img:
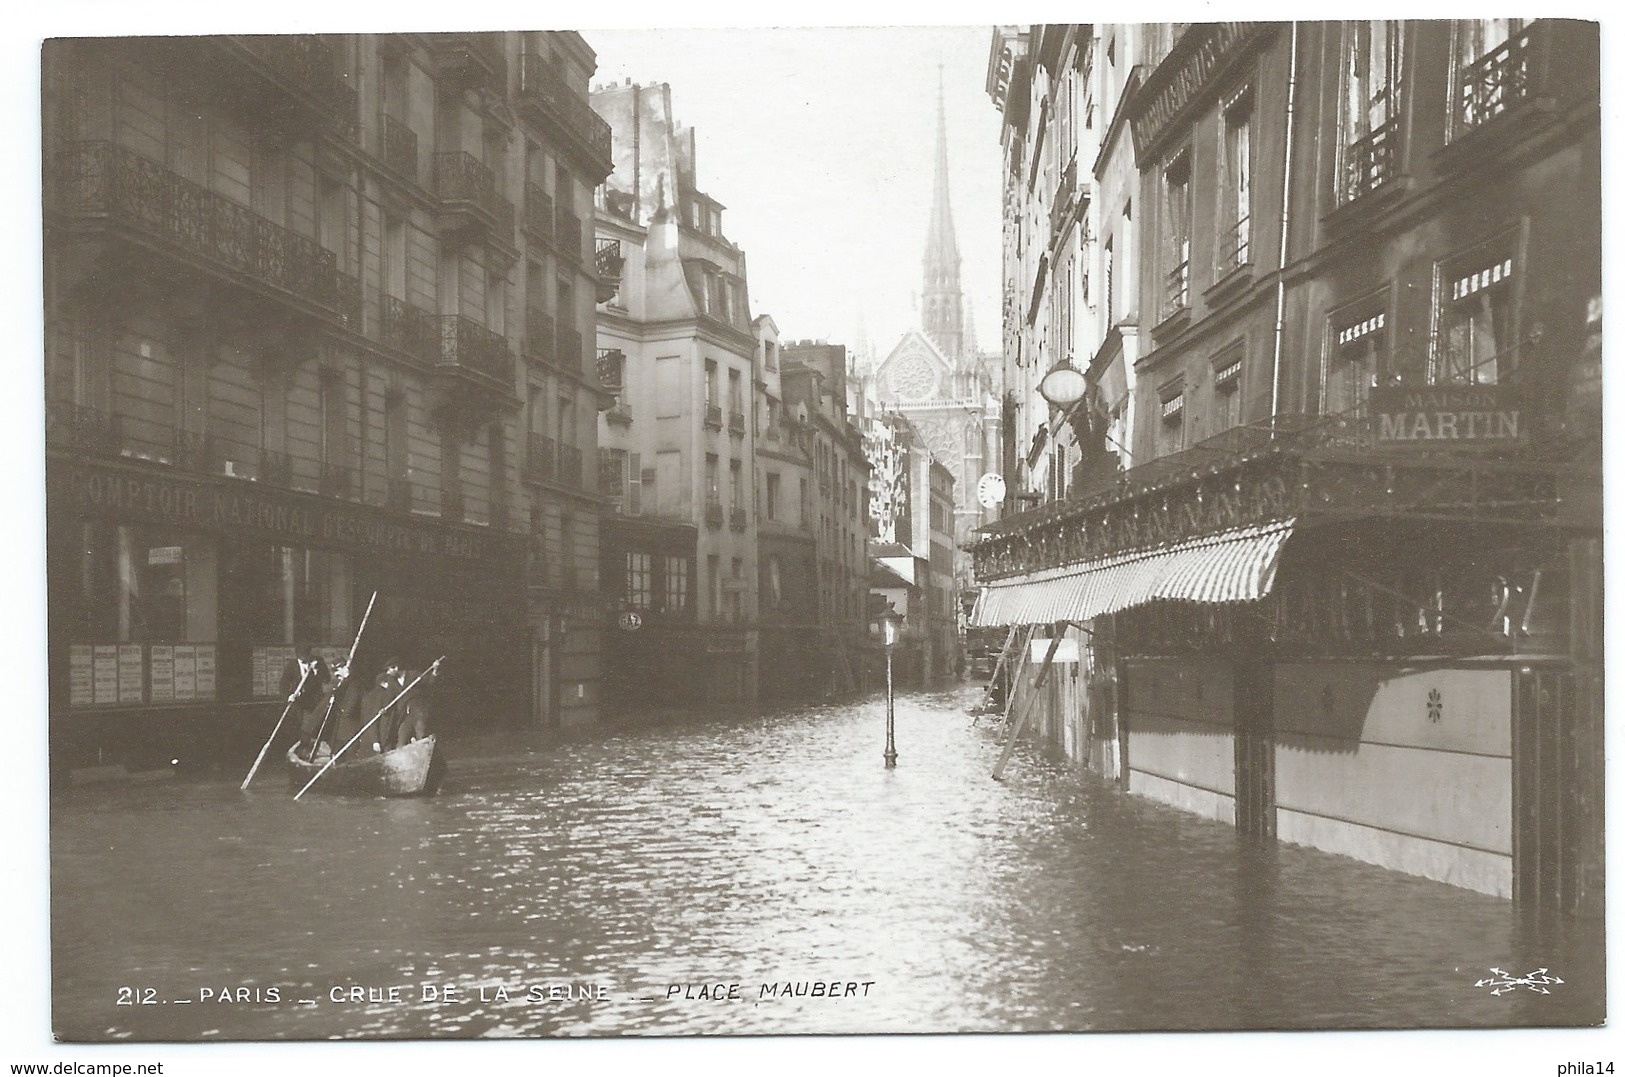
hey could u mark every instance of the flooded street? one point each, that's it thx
(704, 876)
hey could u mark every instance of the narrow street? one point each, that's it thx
(701, 875)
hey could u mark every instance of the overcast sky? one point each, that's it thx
(821, 143)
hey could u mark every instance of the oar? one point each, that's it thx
(304, 673)
(328, 713)
(348, 744)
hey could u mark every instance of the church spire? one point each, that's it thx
(941, 299)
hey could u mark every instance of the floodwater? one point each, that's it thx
(703, 875)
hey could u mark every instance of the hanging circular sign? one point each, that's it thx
(990, 490)
(1063, 385)
(631, 622)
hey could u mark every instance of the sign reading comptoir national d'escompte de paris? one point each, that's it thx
(1478, 413)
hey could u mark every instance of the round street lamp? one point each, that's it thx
(891, 627)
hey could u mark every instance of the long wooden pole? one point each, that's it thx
(998, 667)
(434, 666)
(355, 643)
(304, 674)
(1032, 700)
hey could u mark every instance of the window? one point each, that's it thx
(713, 572)
(676, 584)
(1171, 429)
(1492, 70)
(1370, 107)
(394, 267)
(1227, 390)
(1473, 344)
(1236, 187)
(1356, 362)
(1177, 234)
(736, 485)
(639, 580)
(142, 585)
(713, 477)
(711, 383)
(771, 506)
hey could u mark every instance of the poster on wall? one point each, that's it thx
(185, 672)
(106, 675)
(131, 673)
(257, 665)
(161, 673)
(204, 676)
(81, 675)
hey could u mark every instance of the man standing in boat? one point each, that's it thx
(344, 719)
(305, 680)
(406, 719)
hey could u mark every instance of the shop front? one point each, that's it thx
(1371, 657)
(177, 602)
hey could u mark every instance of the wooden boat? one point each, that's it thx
(409, 771)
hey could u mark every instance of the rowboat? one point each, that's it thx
(409, 771)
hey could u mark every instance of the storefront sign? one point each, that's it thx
(1466, 413)
(296, 519)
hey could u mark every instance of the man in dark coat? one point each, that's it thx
(344, 720)
(407, 718)
(305, 682)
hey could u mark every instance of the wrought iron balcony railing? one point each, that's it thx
(409, 329)
(472, 61)
(401, 148)
(538, 213)
(611, 478)
(541, 459)
(463, 183)
(539, 336)
(570, 355)
(570, 466)
(714, 515)
(567, 234)
(611, 369)
(1368, 163)
(609, 263)
(542, 88)
(713, 416)
(467, 345)
(1495, 82)
(98, 181)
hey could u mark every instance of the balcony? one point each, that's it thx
(570, 464)
(609, 262)
(100, 187)
(1368, 163)
(736, 519)
(548, 97)
(736, 422)
(469, 350)
(611, 370)
(1176, 296)
(401, 148)
(1235, 245)
(408, 329)
(538, 213)
(471, 62)
(539, 337)
(713, 416)
(289, 81)
(567, 234)
(74, 426)
(540, 462)
(713, 513)
(470, 204)
(569, 350)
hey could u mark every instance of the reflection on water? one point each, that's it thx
(625, 882)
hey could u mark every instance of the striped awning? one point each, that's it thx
(1233, 566)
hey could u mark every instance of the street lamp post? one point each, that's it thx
(891, 624)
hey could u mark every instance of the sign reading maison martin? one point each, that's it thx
(1481, 414)
(246, 509)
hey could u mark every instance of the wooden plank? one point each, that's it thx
(1026, 712)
